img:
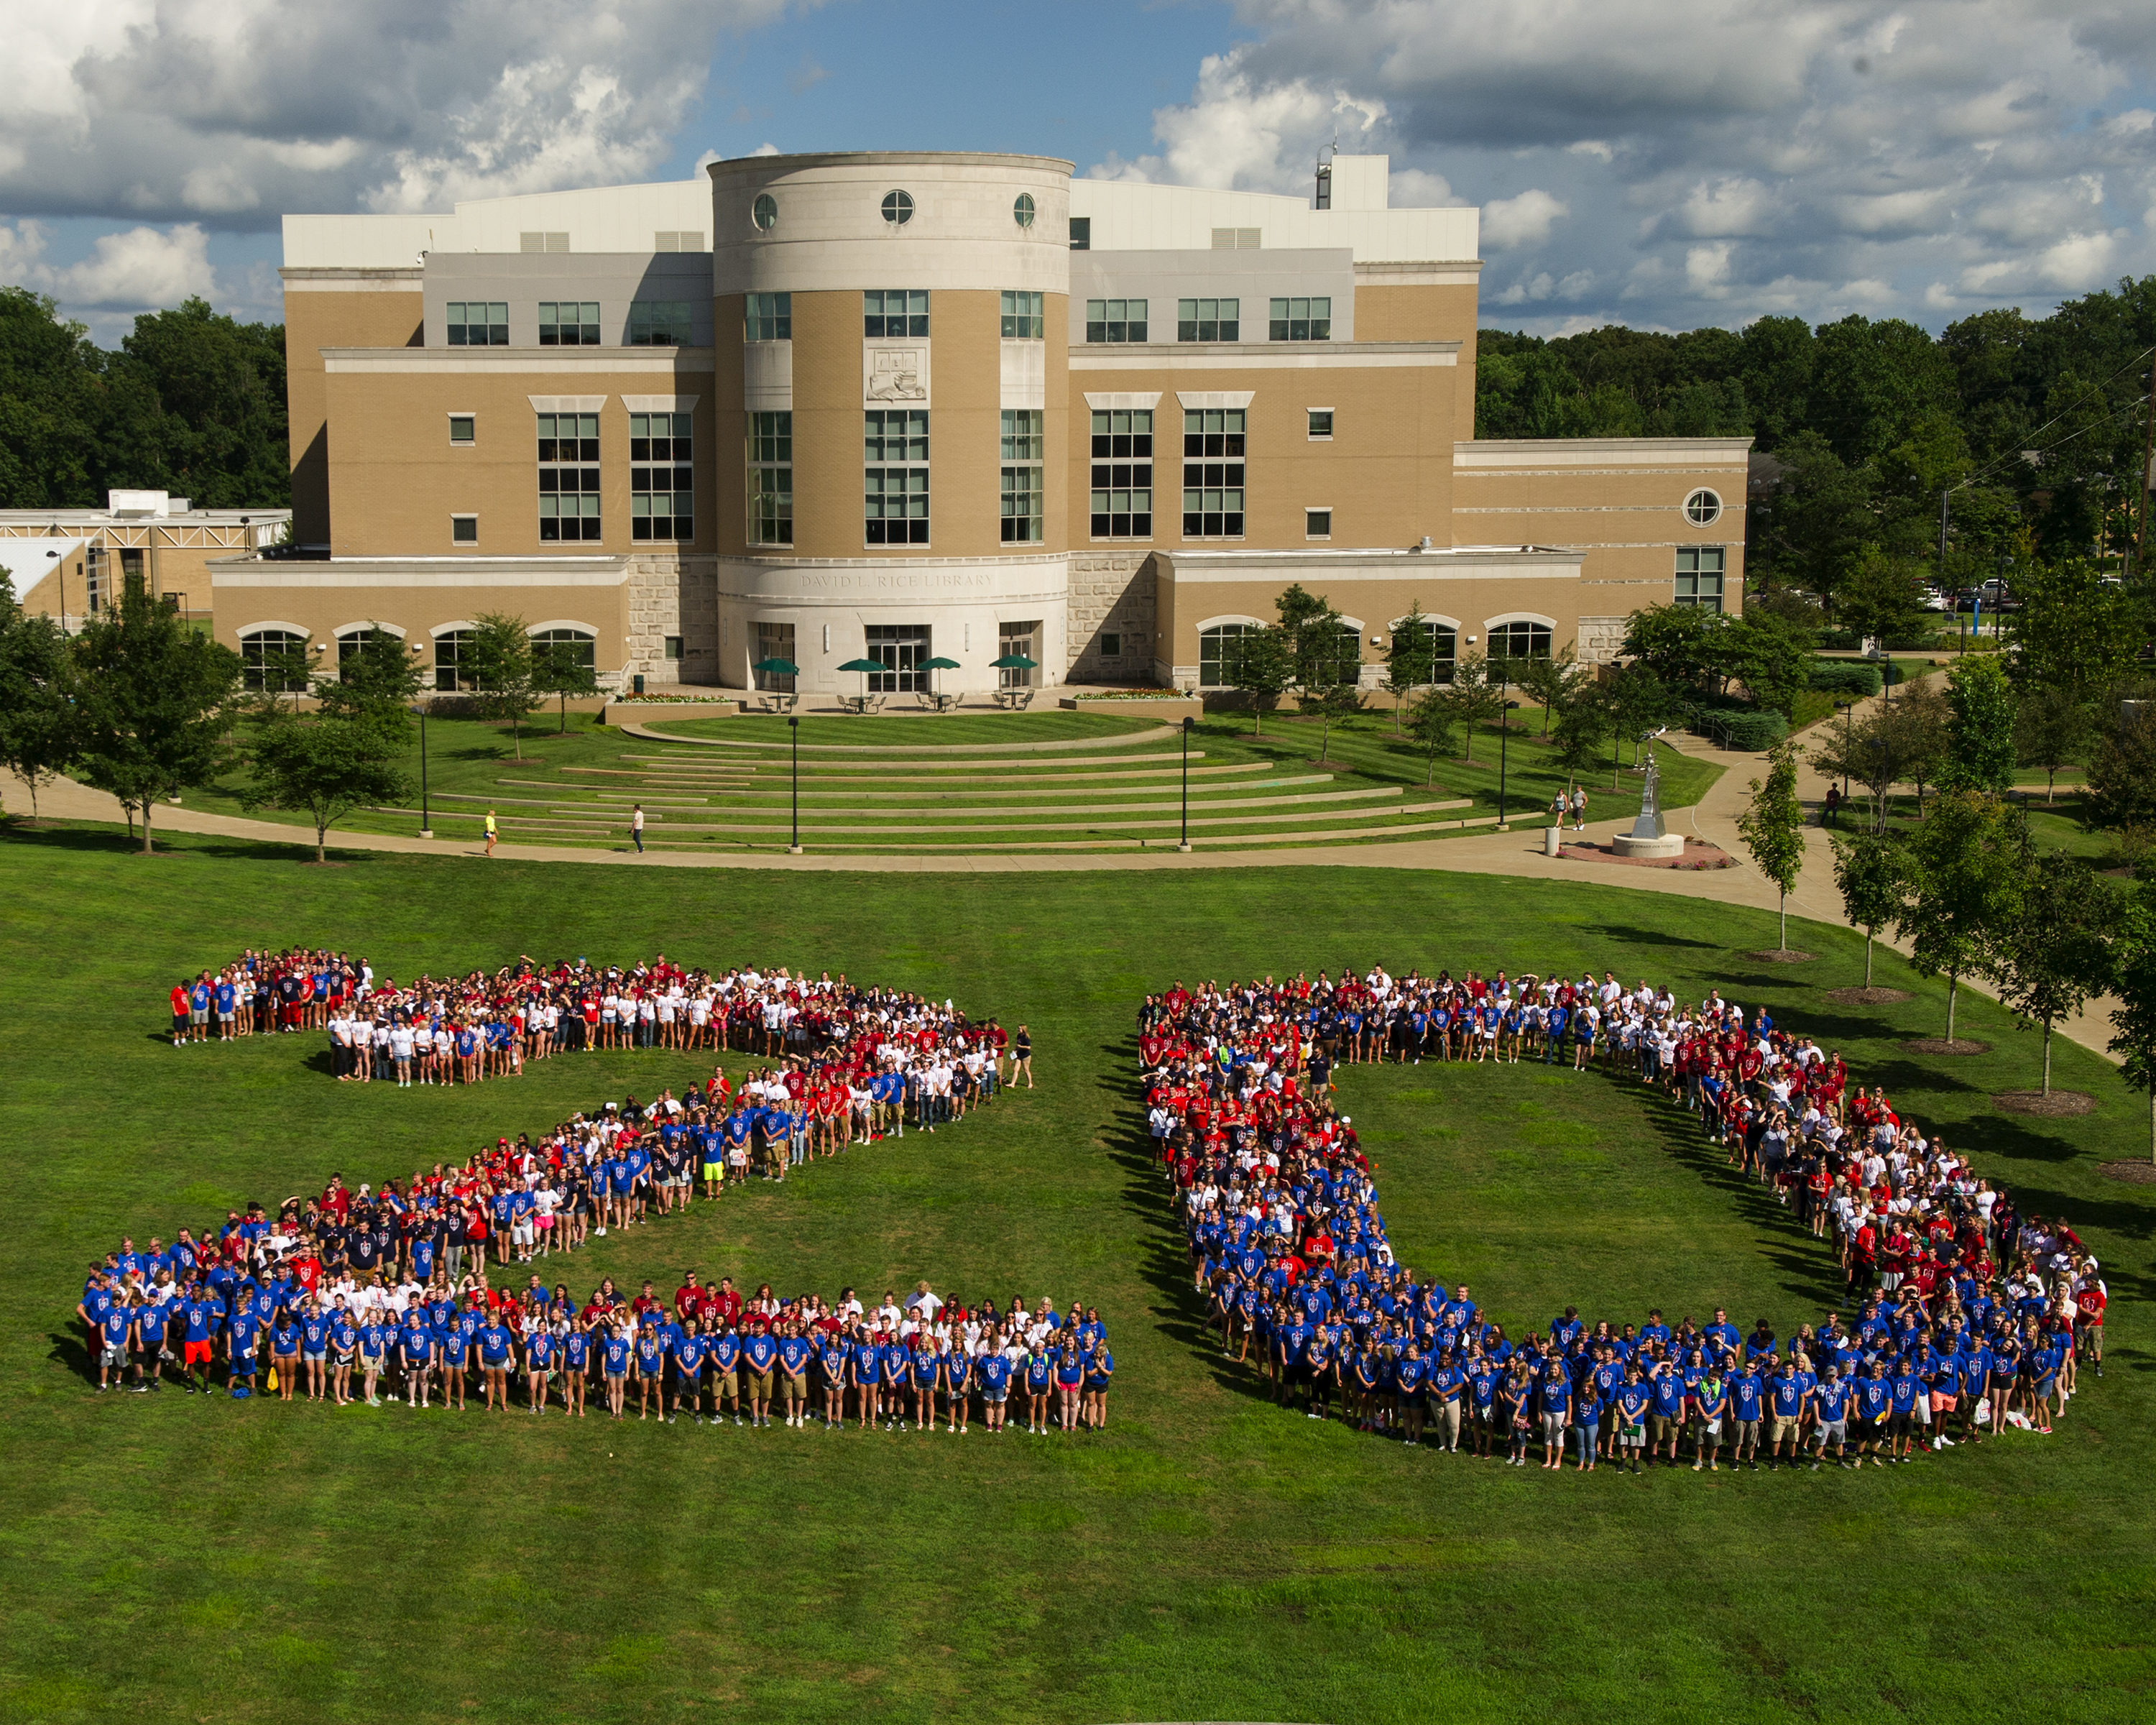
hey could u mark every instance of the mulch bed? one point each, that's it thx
(2134, 1174)
(1868, 997)
(1781, 955)
(2060, 1102)
(1940, 1045)
(1698, 854)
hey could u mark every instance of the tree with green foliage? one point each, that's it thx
(2134, 981)
(497, 656)
(38, 719)
(1771, 654)
(1965, 882)
(1868, 869)
(1431, 720)
(1808, 529)
(1474, 695)
(1680, 644)
(2052, 729)
(1551, 678)
(1980, 754)
(1583, 721)
(1864, 751)
(1919, 724)
(149, 696)
(558, 670)
(342, 757)
(2122, 774)
(1882, 595)
(2072, 631)
(1325, 651)
(1410, 659)
(2056, 953)
(1260, 665)
(1330, 704)
(1773, 827)
(1639, 702)
(382, 673)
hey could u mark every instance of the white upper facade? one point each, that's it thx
(678, 215)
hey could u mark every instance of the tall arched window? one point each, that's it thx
(448, 652)
(580, 644)
(273, 661)
(1216, 650)
(1520, 640)
(1443, 647)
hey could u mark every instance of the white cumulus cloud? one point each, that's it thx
(138, 269)
(1511, 223)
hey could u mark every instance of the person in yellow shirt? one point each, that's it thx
(490, 833)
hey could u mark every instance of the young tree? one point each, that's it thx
(1261, 664)
(1325, 651)
(1866, 752)
(150, 695)
(1474, 695)
(1881, 595)
(1980, 731)
(1773, 827)
(1639, 701)
(344, 756)
(2054, 954)
(1771, 652)
(383, 673)
(1410, 659)
(558, 669)
(2122, 774)
(1581, 723)
(1551, 679)
(498, 655)
(1869, 871)
(38, 721)
(1681, 643)
(2051, 729)
(1919, 722)
(1966, 878)
(2071, 632)
(2134, 981)
(1330, 704)
(1430, 722)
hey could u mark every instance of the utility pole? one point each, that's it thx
(2148, 462)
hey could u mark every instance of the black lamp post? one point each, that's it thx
(426, 824)
(1190, 725)
(1848, 741)
(1504, 736)
(793, 727)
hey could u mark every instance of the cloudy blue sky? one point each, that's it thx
(1657, 162)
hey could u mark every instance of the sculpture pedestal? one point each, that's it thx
(1624, 844)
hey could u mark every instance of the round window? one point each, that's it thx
(1021, 210)
(898, 207)
(1702, 508)
(764, 212)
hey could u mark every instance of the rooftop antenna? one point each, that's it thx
(1324, 200)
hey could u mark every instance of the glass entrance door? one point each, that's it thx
(1015, 640)
(901, 649)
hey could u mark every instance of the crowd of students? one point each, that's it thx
(465, 1029)
(1964, 1314)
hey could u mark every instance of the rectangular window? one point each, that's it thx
(771, 478)
(477, 323)
(1213, 474)
(896, 448)
(1022, 317)
(542, 242)
(1021, 448)
(771, 317)
(1115, 320)
(1081, 234)
(673, 650)
(1321, 425)
(1111, 646)
(1237, 239)
(685, 239)
(774, 641)
(568, 477)
(568, 323)
(447, 651)
(463, 429)
(464, 529)
(1700, 570)
(1318, 524)
(1209, 320)
(1301, 320)
(1121, 505)
(894, 312)
(661, 323)
(662, 495)
(1017, 641)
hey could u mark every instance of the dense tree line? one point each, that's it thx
(1868, 422)
(192, 403)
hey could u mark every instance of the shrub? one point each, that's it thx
(1844, 677)
(1749, 733)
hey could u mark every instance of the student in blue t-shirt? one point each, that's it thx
(1554, 1403)
(793, 1353)
(1040, 1374)
(496, 1346)
(689, 1354)
(1832, 1400)
(1630, 1402)
(614, 1352)
(994, 1370)
(1875, 1402)
(415, 1348)
(542, 1347)
(1748, 1397)
(759, 1354)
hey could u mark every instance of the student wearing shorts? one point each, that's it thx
(615, 1350)
(1629, 1406)
(794, 1356)
(1832, 1400)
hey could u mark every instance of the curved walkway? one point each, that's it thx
(1518, 852)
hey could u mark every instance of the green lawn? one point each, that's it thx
(961, 782)
(1208, 1558)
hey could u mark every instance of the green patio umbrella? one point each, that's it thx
(1013, 661)
(939, 663)
(865, 666)
(775, 666)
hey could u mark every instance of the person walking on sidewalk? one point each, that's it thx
(636, 827)
(490, 834)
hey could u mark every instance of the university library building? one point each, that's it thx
(904, 406)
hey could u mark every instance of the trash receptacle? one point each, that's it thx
(1553, 840)
(636, 684)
